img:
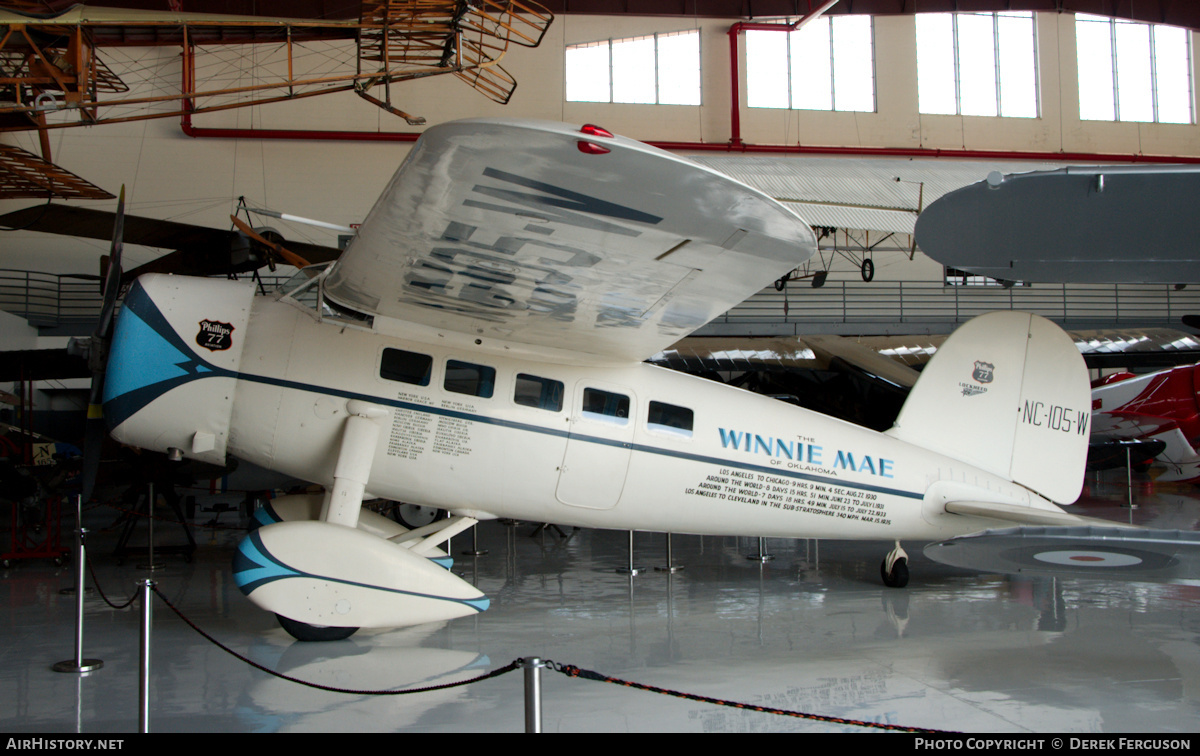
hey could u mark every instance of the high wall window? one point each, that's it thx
(978, 64)
(662, 69)
(828, 64)
(1130, 71)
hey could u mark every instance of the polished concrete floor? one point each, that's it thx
(811, 631)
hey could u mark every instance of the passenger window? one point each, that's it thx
(543, 393)
(465, 378)
(406, 367)
(605, 405)
(670, 419)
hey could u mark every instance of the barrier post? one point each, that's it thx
(762, 555)
(79, 664)
(630, 570)
(144, 684)
(533, 694)
(671, 566)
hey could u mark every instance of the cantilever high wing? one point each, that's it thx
(553, 237)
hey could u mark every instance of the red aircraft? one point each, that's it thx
(1156, 407)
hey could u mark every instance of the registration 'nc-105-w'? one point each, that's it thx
(1055, 417)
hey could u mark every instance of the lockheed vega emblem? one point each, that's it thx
(983, 371)
(215, 335)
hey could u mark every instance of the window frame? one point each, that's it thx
(1154, 62)
(790, 54)
(490, 383)
(428, 378)
(605, 417)
(674, 431)
(997, 65)
(545, 383)
(658, 68)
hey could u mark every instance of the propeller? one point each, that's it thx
(94, 430)
(291, 258)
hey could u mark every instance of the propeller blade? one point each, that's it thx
(112, 275)
(94, 430)
(291, 258)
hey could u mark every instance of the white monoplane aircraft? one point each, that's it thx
(479, 347)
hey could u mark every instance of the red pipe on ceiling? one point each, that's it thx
(921, 152)
(735, 77)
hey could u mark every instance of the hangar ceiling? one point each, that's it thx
(1174, 12)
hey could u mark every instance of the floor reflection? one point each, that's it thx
(813, 630)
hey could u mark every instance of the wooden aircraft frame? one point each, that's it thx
(51, 66)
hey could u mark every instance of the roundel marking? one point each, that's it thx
(1074, 557)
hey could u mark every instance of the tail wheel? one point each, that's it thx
(302, 631)
(897, 577)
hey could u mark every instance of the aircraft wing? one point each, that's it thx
(198, 250)
(1100, 552)
(1086, 224)
(554, 237)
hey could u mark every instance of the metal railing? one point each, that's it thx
(48, 300)
(932, 304)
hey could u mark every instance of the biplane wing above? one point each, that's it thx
(554, 237)
(198, 250)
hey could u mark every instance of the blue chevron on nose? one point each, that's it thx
(147, 359)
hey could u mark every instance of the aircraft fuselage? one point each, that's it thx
(496, 430)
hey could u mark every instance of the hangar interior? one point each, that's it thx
(810, 629)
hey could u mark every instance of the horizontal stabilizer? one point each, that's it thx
(1022, 514)
(1111, 552)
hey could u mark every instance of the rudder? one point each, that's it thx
(1008, 392)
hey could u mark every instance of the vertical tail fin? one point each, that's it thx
(1008, 392)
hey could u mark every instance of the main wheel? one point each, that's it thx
(898, 577)
(867, 269)
(302, 631)
(413, 516)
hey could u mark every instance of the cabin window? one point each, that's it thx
(543, 393)
(670, 419)
(465, 378)
(605, 405)
(406, 367)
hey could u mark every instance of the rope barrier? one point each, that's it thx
(494, 673)
(573, 671)
(567, 669)
(99, 590)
